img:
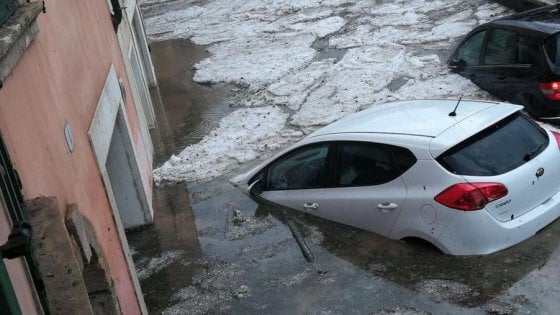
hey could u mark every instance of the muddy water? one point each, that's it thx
(464, 281)
(238, 256)
(186, 111)
(173, 232)
(324, 51)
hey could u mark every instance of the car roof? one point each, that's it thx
(427, 118)
(542, 21)
(537, 28)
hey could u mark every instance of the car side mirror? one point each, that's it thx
(457, 64)
(256, 188)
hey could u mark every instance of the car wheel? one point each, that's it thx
(421, 244)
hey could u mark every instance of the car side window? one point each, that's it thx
(302, 169)
(524, 52)
(470, 49)
(365, 164)
(405, 158)
(501, 48)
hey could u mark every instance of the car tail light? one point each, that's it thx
(551, 90)
(557, 136)
(471, 196)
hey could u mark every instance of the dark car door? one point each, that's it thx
(520, 79)
(506, 63)
(466, 60)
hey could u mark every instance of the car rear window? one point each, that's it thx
(498, 149)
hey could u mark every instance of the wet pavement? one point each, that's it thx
(213, 250)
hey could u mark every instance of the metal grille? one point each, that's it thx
(7, 8)
(10, 185)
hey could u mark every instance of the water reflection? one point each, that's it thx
(167, 254)
(185, 110)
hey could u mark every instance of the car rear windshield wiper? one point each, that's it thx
(529, 156)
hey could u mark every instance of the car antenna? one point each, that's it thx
(453, 113)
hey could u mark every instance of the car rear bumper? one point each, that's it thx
(478, 233)
(549, 108)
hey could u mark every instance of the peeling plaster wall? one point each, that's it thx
(59, 79)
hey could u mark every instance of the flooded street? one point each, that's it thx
(213, 250)
(186, 111)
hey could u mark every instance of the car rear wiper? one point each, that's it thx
(529, 156)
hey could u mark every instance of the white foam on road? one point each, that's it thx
(381, 52)
(243, 136)
(256, 61)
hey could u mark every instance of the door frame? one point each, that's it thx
(100, 134)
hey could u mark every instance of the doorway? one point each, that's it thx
(125, 178)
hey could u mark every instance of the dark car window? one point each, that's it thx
(501, 48)
(470, 49)
(524, 52)
(364, 164)
(551, 46)
(405, 158)
(302, 169)
(498, 149)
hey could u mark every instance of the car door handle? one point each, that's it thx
(502, 76)
(387, 207)
(310, 206)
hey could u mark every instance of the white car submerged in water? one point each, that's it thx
(470, 177)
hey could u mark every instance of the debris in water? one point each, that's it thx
(402, 311)
(238, 217)
(242, 292)
(439, 290)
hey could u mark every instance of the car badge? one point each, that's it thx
(539, 172)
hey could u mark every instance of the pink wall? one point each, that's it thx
(59, 79)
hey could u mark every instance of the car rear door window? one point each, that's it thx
(498, 149)
(365, 164)
(524, 52)
(302, 169)
(470, 49)
(405, 158)
(501, 47)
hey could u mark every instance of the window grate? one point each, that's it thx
(7, 8)
(11, 188)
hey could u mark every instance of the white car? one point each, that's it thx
(470, 177)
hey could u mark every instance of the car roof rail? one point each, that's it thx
(535, 11)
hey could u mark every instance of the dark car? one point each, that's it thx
(516, 58)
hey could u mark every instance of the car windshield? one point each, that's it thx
(498, 149)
